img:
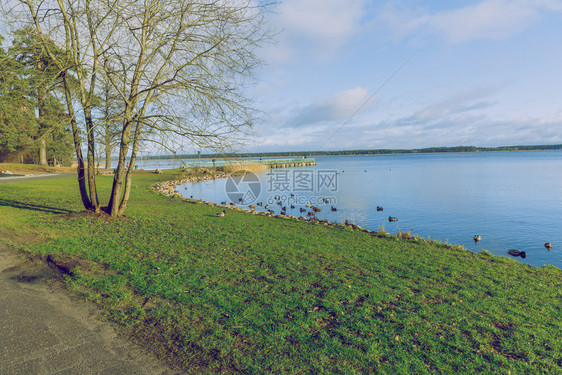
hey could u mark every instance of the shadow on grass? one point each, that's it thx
(34, 207)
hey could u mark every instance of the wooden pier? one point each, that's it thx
(288, 163)
(268, 163)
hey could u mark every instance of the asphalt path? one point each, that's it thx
(44, 330)
(7, 178)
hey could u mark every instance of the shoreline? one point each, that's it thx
(209, 158)
(298, 154)
(168, 189)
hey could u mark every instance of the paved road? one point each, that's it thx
(17, 178)
(44, 331)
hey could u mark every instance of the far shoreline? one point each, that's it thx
(301, 154)
(240, 157)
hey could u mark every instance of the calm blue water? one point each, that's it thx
(511, 199)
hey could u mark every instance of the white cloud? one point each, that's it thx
(321, 19)
(338, 108)
(475, 98)
(346, 102)
(314, 27)
(488, 19)
(494, 19)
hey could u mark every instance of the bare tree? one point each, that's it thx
(181, 69)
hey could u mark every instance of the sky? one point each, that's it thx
(362, 74)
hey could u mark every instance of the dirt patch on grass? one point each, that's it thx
(68, 264)
(91, 215)
(19, 238)
(33, 263)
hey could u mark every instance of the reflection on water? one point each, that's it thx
(512, 199)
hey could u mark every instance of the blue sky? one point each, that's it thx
(483, 73)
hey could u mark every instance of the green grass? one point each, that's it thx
(264, 295)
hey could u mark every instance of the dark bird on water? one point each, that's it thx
(391, 219)
(548, 246)
(379, 208)
(334, 208)
(516, 253)
(477, 238)
(292, 206)
(302, 210)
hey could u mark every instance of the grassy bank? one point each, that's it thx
(265, 295)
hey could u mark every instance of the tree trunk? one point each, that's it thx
(41, 113)
(127, 192)
(77, 147)
(43, 152)
(107, 147)
(91, 161)
(116, 191)
(129, 175)
(108, 158)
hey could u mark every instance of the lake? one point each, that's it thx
(512, 199)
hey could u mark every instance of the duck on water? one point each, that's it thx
(517, 253)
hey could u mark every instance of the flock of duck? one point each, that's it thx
(310, 209)
(514, 252)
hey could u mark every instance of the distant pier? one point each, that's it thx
(267, 163)
(288, 163)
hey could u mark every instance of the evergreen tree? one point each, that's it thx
(17, 117)
(51, 137)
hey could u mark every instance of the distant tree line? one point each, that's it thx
(297, 154)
